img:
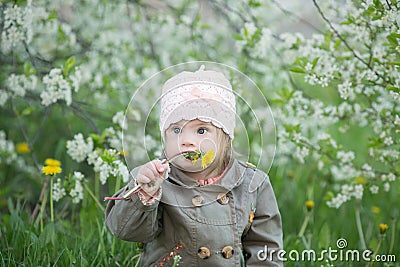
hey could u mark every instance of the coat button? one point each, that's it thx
(197, 200)
(204, 253)
(227, 252)
(222, 199)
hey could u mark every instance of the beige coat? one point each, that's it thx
(225, 224)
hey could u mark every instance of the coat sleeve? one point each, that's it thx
(130, 219)
(264, 237)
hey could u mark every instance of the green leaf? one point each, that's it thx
(328, 196)
(392, 38)
(97, 139)
(324, 236)
(254, 3)
(378, 5)
(337, 43)
(297, 69)
(27, 111)
(392, 88)
(69, 64)
(397, 63)
(315, 61)
(238, 37)
(27, 68)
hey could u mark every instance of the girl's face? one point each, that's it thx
(191, 135)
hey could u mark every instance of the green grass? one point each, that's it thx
(80, 237)
(79, 241)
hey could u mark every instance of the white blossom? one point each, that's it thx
(337, 201)
(58, 190)
(119, 119)
(358, 191)
(386, 187)
(3, 97)
(345, 90)
(78, 149)
(345, 157)
(301, 153)
(17, 27)
(77, 192)
(76, 79)
(7, 149)
(57, 88)
(92, 157)
(374, 189)
(114, 138)
(391, 177)
(123, 171)
(388, 141)
(104, 172)
(79, 176)
(344, 172)
(19, 84)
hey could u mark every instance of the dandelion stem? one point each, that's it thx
(41, 196)
(93, 197)
(51, 200)
(359, 227)
(378, 247)
(304, 225)
(392, 236)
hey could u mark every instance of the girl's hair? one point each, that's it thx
(225, 151)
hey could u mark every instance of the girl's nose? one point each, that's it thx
(186, 140)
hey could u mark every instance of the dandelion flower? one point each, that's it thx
(376, 210)
(51, 170)
(23, 148)
(194, 156)
(52, 162)
(383, 227)
(309, 205)
(207, 158)
(360, 180)
(52, 167)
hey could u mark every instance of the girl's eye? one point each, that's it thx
(201, 131)
(176, 130)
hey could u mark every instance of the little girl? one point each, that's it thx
(198, 203)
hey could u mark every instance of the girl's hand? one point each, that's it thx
(151, 176)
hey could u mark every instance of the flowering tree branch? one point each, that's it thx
(345, 42)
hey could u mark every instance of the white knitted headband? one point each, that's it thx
(204, 95)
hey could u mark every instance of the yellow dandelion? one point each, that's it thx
(52, 162)
(383, 227)
(360, 180)
(51, 170)
(122, 152)
(375, 210)
(309, 205)
(207, 158)
(22, 148)
(195, 158)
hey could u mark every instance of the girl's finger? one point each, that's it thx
(159, 166)
(143, 179)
